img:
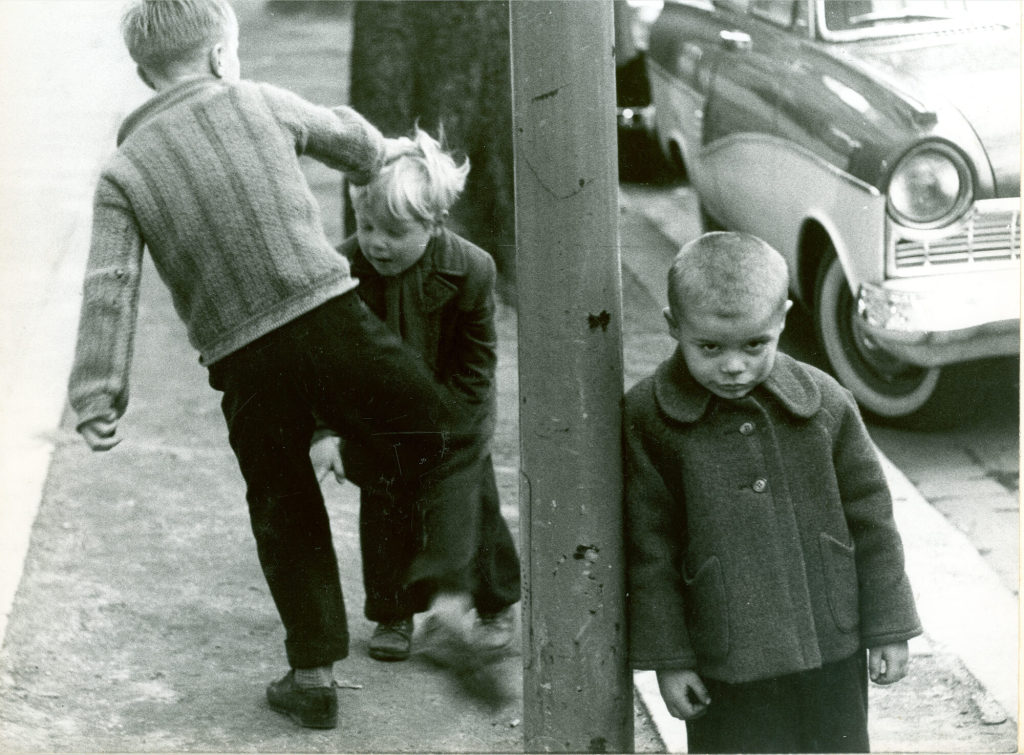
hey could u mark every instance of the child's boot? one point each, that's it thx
(392, 640)
(446, 629)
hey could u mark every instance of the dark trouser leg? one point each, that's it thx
(835, 707)
(270, 431)
(342, 364)
(355, 365)
(496, 565)
(751, 717)
(823, 710)
(389, 538)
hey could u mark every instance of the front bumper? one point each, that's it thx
(942, 319)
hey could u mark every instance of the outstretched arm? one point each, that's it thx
(98, 387)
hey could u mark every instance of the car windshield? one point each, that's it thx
(899, 17)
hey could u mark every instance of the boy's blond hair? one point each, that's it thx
(420, 183)
(727, 273)
(162, 33)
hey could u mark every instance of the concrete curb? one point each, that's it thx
(963, 604)
(59, 127)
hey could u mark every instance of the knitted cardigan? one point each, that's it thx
(207, 177)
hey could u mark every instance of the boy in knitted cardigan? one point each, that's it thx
(206, 177)
(763, 556)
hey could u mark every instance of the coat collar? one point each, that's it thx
(429, 278)
(165, 100)
(684, 399)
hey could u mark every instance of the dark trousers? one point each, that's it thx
(823, 710)
(392, 532)
(341, 364)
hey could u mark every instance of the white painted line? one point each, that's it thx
(963, 604)
(671, 730)
(61, 115)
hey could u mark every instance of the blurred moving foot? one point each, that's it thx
(312, 707)
(494, 634)
(445, 639)
(392, 640)
(474, 652)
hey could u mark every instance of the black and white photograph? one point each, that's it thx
(496, 376)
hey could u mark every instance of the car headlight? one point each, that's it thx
(930, 186)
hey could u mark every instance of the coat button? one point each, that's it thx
(760, 485)
(746, 428)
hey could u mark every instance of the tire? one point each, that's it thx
(888, 390)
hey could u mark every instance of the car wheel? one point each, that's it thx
(886, 388)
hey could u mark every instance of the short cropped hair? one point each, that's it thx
(421, 183)
(727, 273)
(160, 33)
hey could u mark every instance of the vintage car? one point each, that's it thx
(876, 144)
(634, 112)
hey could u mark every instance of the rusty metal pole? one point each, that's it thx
(577, 687)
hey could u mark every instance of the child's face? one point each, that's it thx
(728, 353)
(392, 245)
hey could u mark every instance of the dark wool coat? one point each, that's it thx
(448, 319)
(761, 538)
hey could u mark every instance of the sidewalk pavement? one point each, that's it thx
(141, 621)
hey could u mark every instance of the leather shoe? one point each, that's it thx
(312, 707)
(391, 640)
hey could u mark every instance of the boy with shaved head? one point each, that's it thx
(766, 577)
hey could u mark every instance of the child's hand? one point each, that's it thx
(684, 693)
(395, 147)
(100, 433)
(888, 663)
(326, 457)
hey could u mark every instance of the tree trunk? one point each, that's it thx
(445, 65)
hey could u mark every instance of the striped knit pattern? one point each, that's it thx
(207, 178)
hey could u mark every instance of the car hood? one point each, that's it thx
(977, 73)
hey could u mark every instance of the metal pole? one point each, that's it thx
(577, 687)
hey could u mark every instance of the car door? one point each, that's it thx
(684, 43)
(739, 119)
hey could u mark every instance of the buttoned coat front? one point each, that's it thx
(761, 538)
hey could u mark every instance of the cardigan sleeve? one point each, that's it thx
(658, 638)
(887, 610)
(338, 137)
(98, 386)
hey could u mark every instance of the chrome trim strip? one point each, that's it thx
(790, 146)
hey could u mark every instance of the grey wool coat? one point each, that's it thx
(760, 534)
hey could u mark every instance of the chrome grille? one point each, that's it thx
(989, 237)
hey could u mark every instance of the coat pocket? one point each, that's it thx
(840, 568)
(707, 611)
